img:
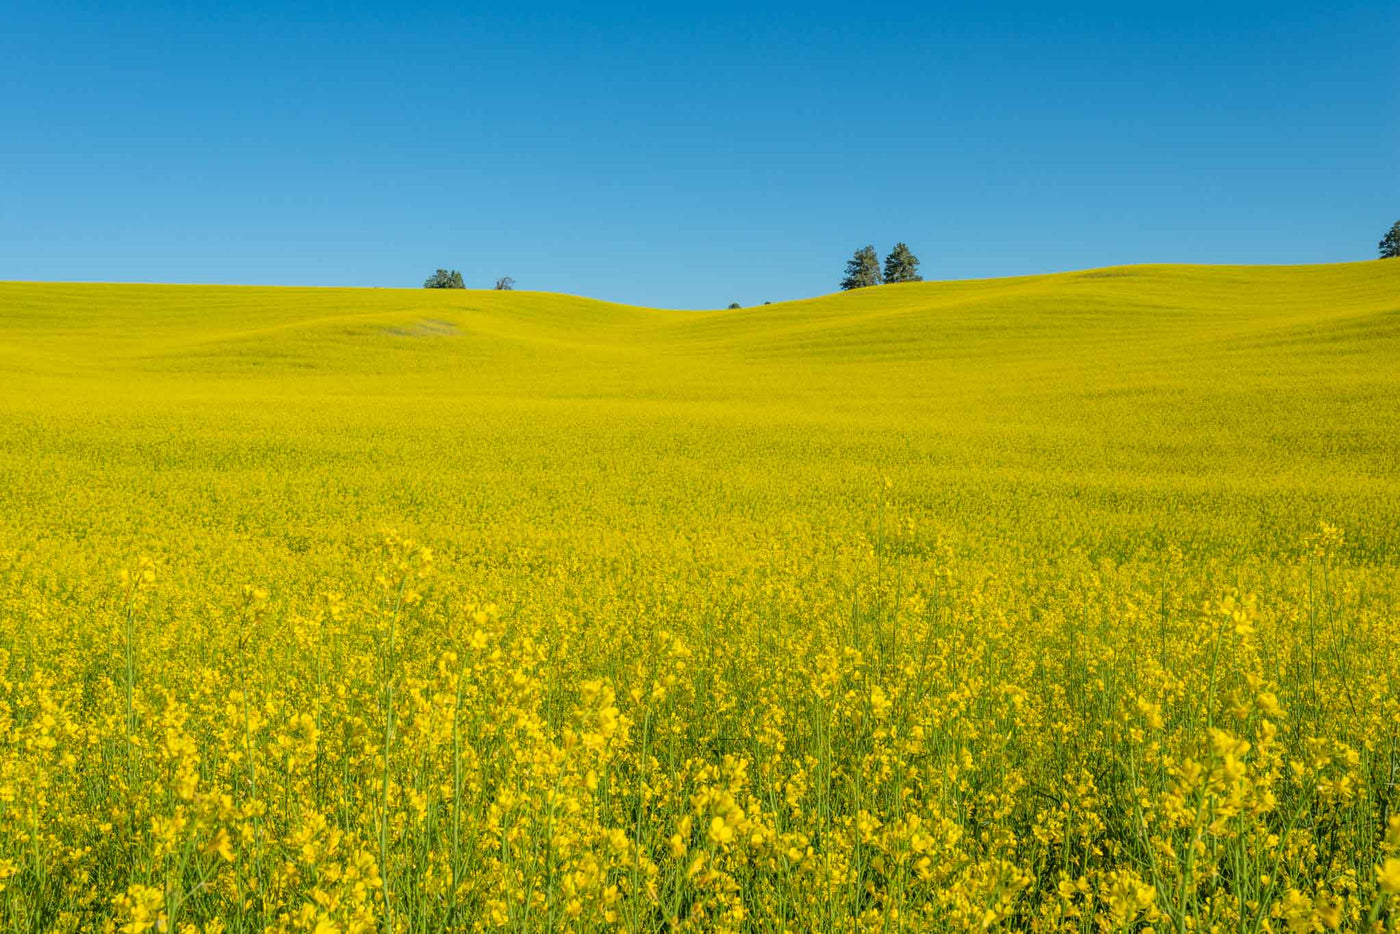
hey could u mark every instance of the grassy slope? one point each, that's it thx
(1114, 408)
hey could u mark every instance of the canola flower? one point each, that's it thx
(397, 759)
(831, 678)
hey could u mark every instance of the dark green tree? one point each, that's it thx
(1390, 243)
(442, 279)
(862, 269)
(505, 284)
(733, 305)
(902, 266)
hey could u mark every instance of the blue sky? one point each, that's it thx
(687, 158)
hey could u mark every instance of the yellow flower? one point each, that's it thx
(141, 907)
(222, 845)
(1388, 876)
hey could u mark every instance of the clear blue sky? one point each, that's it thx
(687, 158)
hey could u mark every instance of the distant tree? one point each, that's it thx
(733, 305)
(505, 284)
(862, 269)
(442, 279)
(902, 266)
(1390, 243)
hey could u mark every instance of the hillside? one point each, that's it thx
(1109, 391)
(1139, 308)
(967, 606)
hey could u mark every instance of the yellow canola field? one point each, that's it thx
(1056, 603)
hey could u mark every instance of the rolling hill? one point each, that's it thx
(1042, 603)
(1113, 391)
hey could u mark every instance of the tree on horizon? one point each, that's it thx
(505, 284)
(862, 270)
(1390, 244)
(442, 279)
(902, 265)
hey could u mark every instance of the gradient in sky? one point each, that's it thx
(686, 157)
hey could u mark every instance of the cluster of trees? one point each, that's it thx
(442, 279)
(445, 279)
(863, 269)
(1390, 243)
